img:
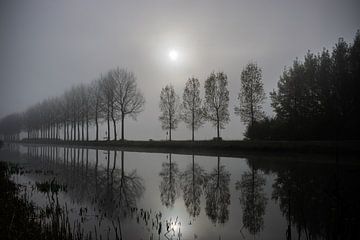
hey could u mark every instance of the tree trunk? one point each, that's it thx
(170, 128)
(97, 128)
(218, 172)
(114, 122)
(122, 126)
(82, 129)
(115, 134)
(87, 127)
(218, 123)
(252, 113)
(73, 131)
(67, 132)
(64, 137)
(193, 125)
(78, 127)
(108, 125)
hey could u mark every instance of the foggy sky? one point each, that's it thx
(48, 46)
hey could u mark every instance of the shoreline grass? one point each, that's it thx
(227, 147)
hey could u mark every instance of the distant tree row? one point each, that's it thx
(115, 96)
(215, 107)
(110, 98)
(10, 127)
(317, 98)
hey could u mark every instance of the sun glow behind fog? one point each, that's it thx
(173, 55)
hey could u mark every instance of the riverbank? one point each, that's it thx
(21, 219)
(216, 147)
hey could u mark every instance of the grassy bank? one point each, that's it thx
(20, 219)
(218, 147)
(17, 216)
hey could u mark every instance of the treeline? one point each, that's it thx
(112, 97)
(317, 98)
(115, 96)
(214, 108)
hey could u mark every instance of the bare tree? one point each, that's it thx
(83, 102)
(11, 126)
(31, 121)
(251, 94)
(128, 99)
(112, 98)
(108, 86)
(78, 110)
(169, 106)
(64, 115)
(95, 104)
(85, 95)
(217, 100)
(74, 105)
(70, 114)
(192, 112)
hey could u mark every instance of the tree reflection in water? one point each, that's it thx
(120, 189)
(169, 186)
(131, 186)
(217, 194)
(252, 200)
(321, 203)
(318, 201)
(113, 190)
(192, 180)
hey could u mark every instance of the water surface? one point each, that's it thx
(168, 196)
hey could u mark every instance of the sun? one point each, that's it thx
(173, 55)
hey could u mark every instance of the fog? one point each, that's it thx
(48, 46)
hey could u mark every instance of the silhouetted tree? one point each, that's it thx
(217, 100)
(11, 126)
(251, 94)
(128, 98)
(108, 86)
(96, 104)
(316, 99)
(354, 68)
(169, 107)
(192, 112)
